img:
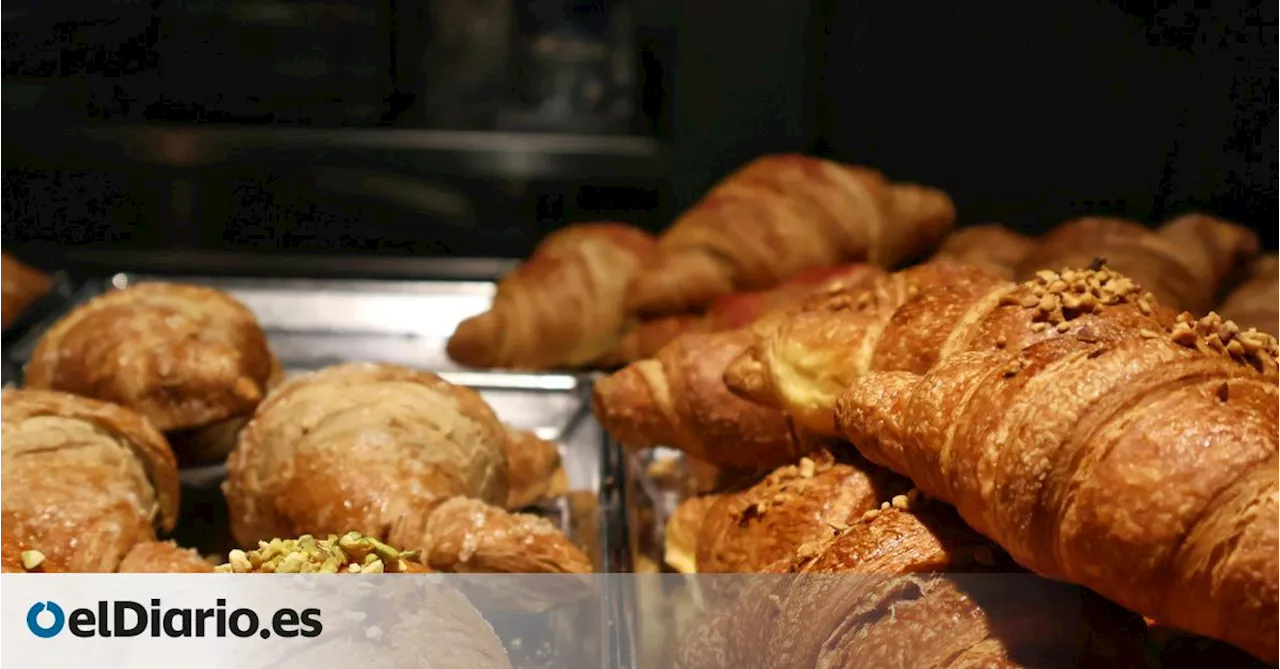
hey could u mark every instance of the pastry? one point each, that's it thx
(1142, 468)
(795, 505)
(84, 480)
(563, 307)
(1184, 262)
(188, 358)
(22, 285)
(801, 361)
(991, 247)
(1254, 303)
(781, 215)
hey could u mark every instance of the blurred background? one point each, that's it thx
(429, 128)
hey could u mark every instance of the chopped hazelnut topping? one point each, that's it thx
(900, 502)
(352, 552)
(806, 468)
(32, 559)
(1211, 334)
(1058, 297)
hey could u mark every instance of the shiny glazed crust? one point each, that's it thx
(563, 307)
(781, 215)
(747, 531)
(679, 399)
(84, 481)
(469, 536)
(1183, 262)
(182, 356)
(800, 362)
(362, 446)
(1142, 468)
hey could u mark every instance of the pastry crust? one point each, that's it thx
(781, 215)
(1256, 302)
(1183, 263)
(22, 285)
(795, 505)
(901, 587)
(182, 356)
(362, 446)
(801, 361)
(84, 480)
(991, 247)
(469, 536)
(679, 399)
(533, 469)
(1152, 480)
(561, 308)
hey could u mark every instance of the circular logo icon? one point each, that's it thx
(45, 631)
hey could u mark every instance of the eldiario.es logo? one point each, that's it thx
(124, 618)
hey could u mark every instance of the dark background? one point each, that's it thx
(415, 128)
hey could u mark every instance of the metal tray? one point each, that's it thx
(315, 323)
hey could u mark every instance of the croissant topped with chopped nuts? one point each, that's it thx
(188, 358)
(84, 481)
(1143, 468)
(802, 360)
(1184, 262)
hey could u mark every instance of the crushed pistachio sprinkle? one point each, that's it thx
(352, 553)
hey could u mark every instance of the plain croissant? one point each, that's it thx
(644, 338)
(991, 247)
(802, 360)
(778, 216)
(1142, 468)
(563, 307)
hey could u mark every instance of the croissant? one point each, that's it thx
(468, 536)
(876, 595)
(778, 216)
(991, 247)
(1183, 263)
(563, 307)
(84, 481)
(802, 360)
(533, 468)
(373, 448)
(1254, 303)
(678, 399)
(646, 337)
(796, 504)
(684, 527)
(21, 285)
(190, 359)
(1143, 468)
